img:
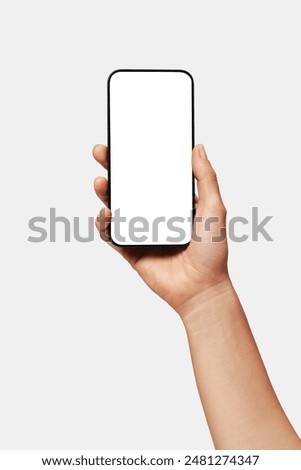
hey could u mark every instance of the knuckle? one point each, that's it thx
(210, 175)
(216, 206)
(223, 209)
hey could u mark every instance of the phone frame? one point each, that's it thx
(109, 151)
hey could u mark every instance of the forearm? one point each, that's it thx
(240, 405)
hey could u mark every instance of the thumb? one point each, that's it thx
(208, 190)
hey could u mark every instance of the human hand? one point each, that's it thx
(182, 276)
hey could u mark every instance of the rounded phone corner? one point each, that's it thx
(183, 245)
(187, 73)
(111, 75)
(114, 242)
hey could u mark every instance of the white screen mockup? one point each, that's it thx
(150, 143)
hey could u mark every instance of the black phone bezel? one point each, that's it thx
(109, 152)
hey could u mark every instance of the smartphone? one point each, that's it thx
(150, 139)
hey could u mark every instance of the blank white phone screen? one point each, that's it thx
(150, 141)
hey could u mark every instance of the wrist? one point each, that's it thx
(206, 308)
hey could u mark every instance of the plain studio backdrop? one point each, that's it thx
(90, 358)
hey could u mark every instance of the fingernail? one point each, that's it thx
(202, 152)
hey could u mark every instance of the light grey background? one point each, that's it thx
(90, 358)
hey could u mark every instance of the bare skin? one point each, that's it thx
(239, 402)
